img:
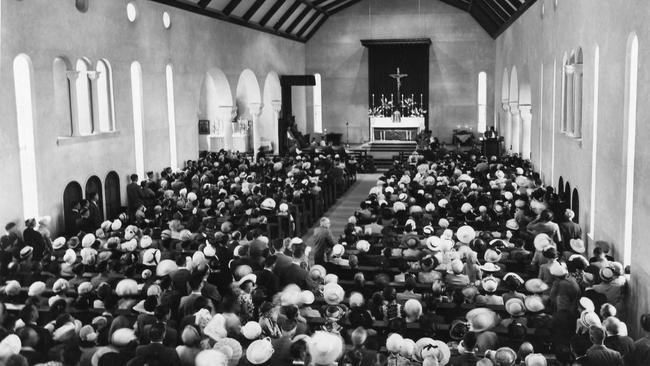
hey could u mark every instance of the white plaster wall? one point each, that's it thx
(460, 50)
(533, 40)
(44, 29)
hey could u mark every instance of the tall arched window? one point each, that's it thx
(25, 121)
(171, 116)
(138, 117)
(482, 101)
(84, 101)
(105, 104)
(318, 105)
(577, 97)
(631, 73)
(62, 106)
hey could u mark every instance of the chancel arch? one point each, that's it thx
(268, 125)
(249, 107)
(216, 111)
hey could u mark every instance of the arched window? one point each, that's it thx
(84, 101)
(63, 113)
(25, 120)
(560, 187)
(631, 73)
(138, 117)
(171, 116)
(575, 205)
(105, 104)
(482, 102)
(318, 105)
(577, 98)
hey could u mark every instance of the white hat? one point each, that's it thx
(87, 240)
(211, 357)
(558, 269)
(116, 225)
(251, 330)
(535, 359)
(333, 293)
(123, 337)
(126, 287)
(413, 308)
(165, 267)
(465, 234)
(394, 343)
(10, 345)
(60, 285)
(363, 246)
(325, 348)
(260, 351)
(542, 241)
(145, 241)
(438, 351)
(338, 250)
(58, 243)
(151, 257)
(330, 278)
(534, 303)
(307, 297)
(70, 256)
(577, 245)
(36, 289)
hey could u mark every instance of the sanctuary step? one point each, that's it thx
(386, 151)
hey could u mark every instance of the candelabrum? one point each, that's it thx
(347, 135)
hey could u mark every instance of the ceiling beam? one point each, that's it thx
(286, 15)
(316, 27)
(522, 9)
(298, 19)
(505, 6)
(253, 9)
(216, 14)
(332, 5)
(231, 6)
(485, 6)
(203, 3)
(271, 12)
(344, 6)
(312, 6)
(308, 24)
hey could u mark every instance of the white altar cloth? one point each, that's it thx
(388, 124)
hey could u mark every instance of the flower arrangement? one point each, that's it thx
(407, 107)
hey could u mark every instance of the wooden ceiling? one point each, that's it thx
(298, 20)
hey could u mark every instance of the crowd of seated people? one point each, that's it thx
(457, 261)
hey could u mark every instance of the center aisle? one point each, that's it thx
(347, 205)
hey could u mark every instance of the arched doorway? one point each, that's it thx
(567, 193)
(560, 187)
(94, 185)
(271, 111)
(249, 107)
(575, 204)
(72, 194)
(113, 197)
(215, 112)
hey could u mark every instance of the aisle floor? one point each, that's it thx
(347, 204)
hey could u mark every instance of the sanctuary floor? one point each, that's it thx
(347, 204)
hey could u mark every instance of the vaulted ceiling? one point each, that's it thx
(300, 19)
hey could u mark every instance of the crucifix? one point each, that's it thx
(398, 78)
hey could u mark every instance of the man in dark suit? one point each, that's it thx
(134, 193)
(155, 351)
(599, 354)
(95, 211)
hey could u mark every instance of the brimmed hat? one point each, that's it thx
(607, 274)
(589, 318)
(515, 276)
(490, 284)
(577, 245)
(145, 241)
(587, 304)
(26, 252)
(211, 357)
(325, 348)
(123, 337)
(465, 234)
(458, 329)
(534, 303)
(307, 297)
(492, 255)
(60, 285)
(251, 330)
(437, 350)
(363, 246)
(333, 293)
(10, 345)
(12, 288)
(411, 240)
(490, 267)
(126, 287)
(433, 243)
(558, 269)
(165, 267)
(36, 289)
(58, 243)
(536, 286)
(87, 240)
(512, 224)
(535, 359)
(542, 241)
(482, 319)
(248, 278)
(151, 257)
(515, 306)
(394, 343)
(413, 308)
(504, 356)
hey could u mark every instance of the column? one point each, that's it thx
(525, 111)
(225, 121)
(256, 109)
(516, 128)
(74, 111)
(275, 139)
(94, 98)
(507, 128)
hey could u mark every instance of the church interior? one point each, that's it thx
(324, 182)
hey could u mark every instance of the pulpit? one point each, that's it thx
(385, 129)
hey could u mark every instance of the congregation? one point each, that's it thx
(461, 260)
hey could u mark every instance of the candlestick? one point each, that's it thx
(373, 101)
(420, 100)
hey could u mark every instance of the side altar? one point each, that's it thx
(386, 129)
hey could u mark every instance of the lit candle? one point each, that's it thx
(420, 100)
(373, 101)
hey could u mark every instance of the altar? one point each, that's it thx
(383, 128)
